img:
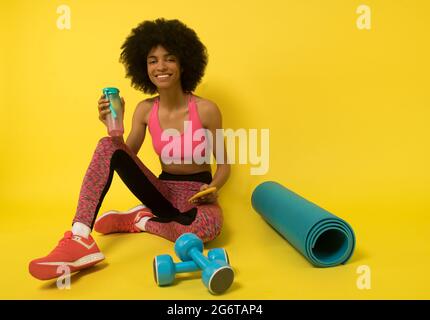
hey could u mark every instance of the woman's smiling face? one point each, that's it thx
(163, 67)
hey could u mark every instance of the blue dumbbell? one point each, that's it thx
(165, 269)
(217, 275)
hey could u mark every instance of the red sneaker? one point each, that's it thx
(73, 251)
(115, 221)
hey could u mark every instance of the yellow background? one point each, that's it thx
(347, 109)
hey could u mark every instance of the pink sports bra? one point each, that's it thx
(174, 146)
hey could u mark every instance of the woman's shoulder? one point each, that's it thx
(144, 108)
(208, 110)
(148, 103)
(206, 106)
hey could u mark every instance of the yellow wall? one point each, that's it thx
(348, 113)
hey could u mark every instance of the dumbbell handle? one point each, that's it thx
(187, 266)
(190, 266)
(198, 258)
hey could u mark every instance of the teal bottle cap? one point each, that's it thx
(110, 90)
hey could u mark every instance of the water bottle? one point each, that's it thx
(115, 118)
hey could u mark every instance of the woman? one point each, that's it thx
(164, 57)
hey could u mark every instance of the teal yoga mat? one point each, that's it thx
(321, 237)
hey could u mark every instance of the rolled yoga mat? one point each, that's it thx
(324, 239)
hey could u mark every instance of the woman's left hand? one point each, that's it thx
(206, 199)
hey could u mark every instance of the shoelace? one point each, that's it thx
(61, 246)
(123, 225)
(67, 237)
(128, 225)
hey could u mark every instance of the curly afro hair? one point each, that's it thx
(176, 38)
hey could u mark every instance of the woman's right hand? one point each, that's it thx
(103, 107)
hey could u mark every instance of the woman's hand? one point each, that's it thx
(103, 107)
(206, 199)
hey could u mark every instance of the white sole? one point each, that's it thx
(91, 258)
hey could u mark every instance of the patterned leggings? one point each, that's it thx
(167, 199)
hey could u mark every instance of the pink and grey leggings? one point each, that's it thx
(166, 195)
